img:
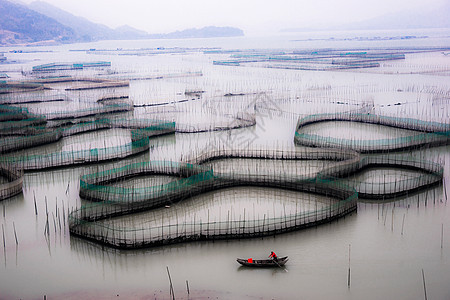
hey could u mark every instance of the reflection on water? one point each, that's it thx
(356, 131)
(242, 203)
(380, 175)
(84, 141)
(382, 241)
(271, 270)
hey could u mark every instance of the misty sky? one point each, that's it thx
(254, 17)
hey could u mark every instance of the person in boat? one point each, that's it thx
(273, 256)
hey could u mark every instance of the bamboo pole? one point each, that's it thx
(4, 242)
(348, 279)
(187, 287)
(403, 222)
(171, 285)
(424, 285)
(35, 206)
(15, 234)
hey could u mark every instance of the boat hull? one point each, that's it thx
(263, 263)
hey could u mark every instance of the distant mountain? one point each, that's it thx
(89, 31)
(437, 17)
(205, 32)
(19, 24)
(408, 19)
(127, 32)
(85, 30)
(41, 21)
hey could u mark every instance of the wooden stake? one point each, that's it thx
(35, 207)
(171, 286)
(348, 280)
(54, 221)
(403, 222)
(4, 243)
(445, 192)
(15, 234)
(392, 223)
(424, 285)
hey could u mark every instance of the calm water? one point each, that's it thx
(390, 242)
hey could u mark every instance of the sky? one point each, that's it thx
(253, 16)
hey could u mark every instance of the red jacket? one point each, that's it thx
(272, 255)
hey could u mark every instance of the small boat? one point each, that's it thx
(263, 263)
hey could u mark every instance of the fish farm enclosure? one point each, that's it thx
(125, 164)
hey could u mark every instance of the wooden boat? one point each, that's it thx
(263, 263)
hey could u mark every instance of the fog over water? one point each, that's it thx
(256, 18)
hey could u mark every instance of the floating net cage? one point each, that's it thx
(313, 60)
(69, 69)
(13, 113)
(429, 133)
(40, 96)
(327, 166)
(19, 87)
(141, 130)
(51, 67)
(428, 174)
(199, 177)
(326, 59)
(202, 115)
(85, 221)
(12, 182)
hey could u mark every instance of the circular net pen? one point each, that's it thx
(11, 181)
(141, 130)
(97, 221)
(428, 133)
(39, 96)
(341, 200)
(200, 175)
(199, 178)
(202, 115)
(19, 87)
(403, 176)
(74, 112)
(12, 113)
